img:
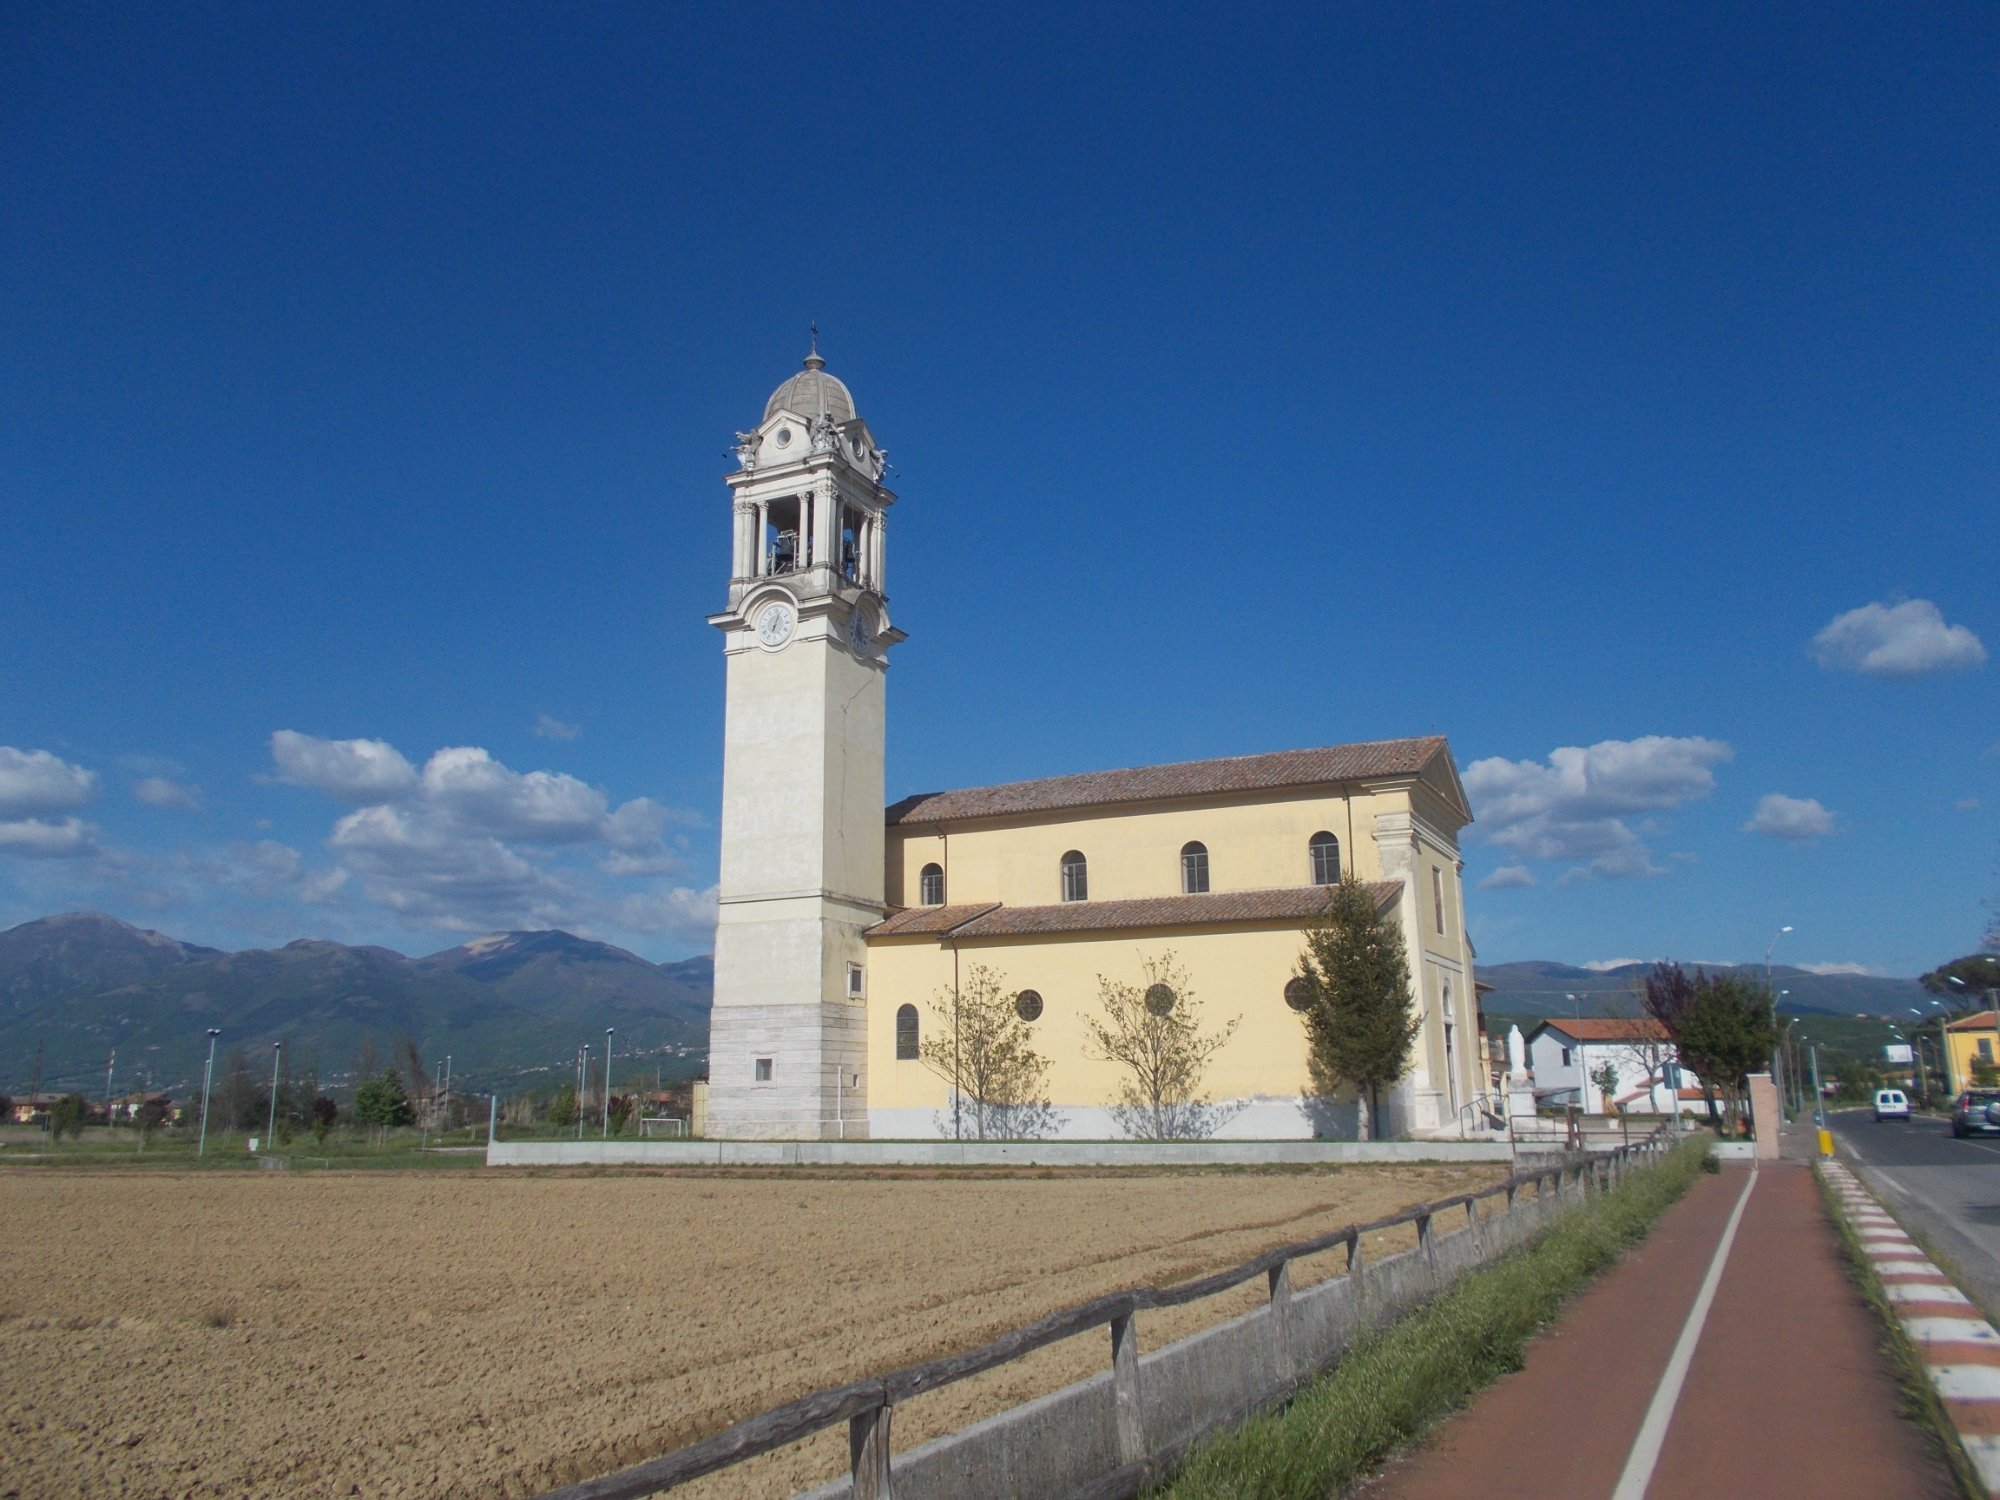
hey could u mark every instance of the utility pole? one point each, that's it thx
(604, 1134)
(35, 1094)
(271, 1123)
(113, 1063)
(207, 1085)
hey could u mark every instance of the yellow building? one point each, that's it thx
(1970, 1040)
(836, 935)
(1051, 884)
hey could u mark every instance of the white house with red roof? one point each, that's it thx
(1566, 1056)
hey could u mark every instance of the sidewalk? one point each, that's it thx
(1787, 1394)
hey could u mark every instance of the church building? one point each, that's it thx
(843, 927)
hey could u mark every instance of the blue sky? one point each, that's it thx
(1612, 389)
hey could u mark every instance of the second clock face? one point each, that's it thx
(774, 625)
(858, 631)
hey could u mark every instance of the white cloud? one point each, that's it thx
(1605, 965)
(1837, 969)
(548, 727)
(1967, 804)
(39, 838)
(483, 796)
(1907, 639)
(1782, 817)
(469, 844)
(1508, 878)
(34, 781)
(1574, 807)
(364, 771)
(164, 792)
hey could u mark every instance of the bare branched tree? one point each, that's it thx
(981, 1047)
(1153, 1031)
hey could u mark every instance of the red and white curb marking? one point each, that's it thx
(1960, 1348)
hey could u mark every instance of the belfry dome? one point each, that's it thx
(811, 392)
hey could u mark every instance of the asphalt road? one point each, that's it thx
(1947, 1190)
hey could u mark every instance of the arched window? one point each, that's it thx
(930, 886)
(1075, 877)
(1194, 868)
(1325, 858)
(906, 1032)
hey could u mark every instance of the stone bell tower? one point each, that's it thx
(805, 640)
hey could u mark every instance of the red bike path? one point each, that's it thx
(1788, 1393)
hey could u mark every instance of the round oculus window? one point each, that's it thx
(783, 437)
(1028, 1005)
(1298, 994)
(1160, 998)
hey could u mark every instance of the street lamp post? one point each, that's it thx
(207, 1083)
(1777, 1060)
(604, 1132)
(582, 1085)
(271, 1125)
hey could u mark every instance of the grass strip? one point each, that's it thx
(1393, 1385)
(1920, 1401)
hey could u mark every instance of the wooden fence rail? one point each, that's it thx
(866, 1405)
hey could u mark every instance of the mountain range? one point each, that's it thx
(1537, 987)
(511, 1008)
(75, 987)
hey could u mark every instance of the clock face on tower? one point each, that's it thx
(858, 632)
(774, 625)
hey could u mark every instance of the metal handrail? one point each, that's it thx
(865, 1403)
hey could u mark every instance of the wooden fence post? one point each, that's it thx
(1125, 1390)
(868, 1453)
(1281, 1318)
(1472, 1226)
(1425, 1243)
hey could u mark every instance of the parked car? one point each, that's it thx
(1976, 1113)
(1891, 1104)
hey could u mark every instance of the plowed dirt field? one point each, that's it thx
(405, 1335)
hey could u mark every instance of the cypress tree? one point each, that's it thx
(1355, 984)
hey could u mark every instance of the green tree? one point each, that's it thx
(1354, 981)
(1153, 1031)
(323, 1113)
(66, 1116)
(562, 1108)
(1721, 1026)
(382, 1101)
(981, 1047)
(1605, 1076)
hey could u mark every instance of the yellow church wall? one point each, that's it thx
(1254, 841)
(1231, 971)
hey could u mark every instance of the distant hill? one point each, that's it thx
(509, 1004)
(1537, 987)
(83, 950)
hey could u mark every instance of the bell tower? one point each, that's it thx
(805, 636)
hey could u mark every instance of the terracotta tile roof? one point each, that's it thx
(1985, 1020)
(1193, 778)
(1614, 1029)
(1283, 904)
(914, 921)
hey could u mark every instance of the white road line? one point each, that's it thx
(1950, 1331)
(1926, 1292)
(1645, 1454)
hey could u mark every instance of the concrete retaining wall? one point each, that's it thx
(1201, 1385)
(590, 1153)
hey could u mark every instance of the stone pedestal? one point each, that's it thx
(1764, 1115)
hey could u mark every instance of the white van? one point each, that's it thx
(1891, 1105)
